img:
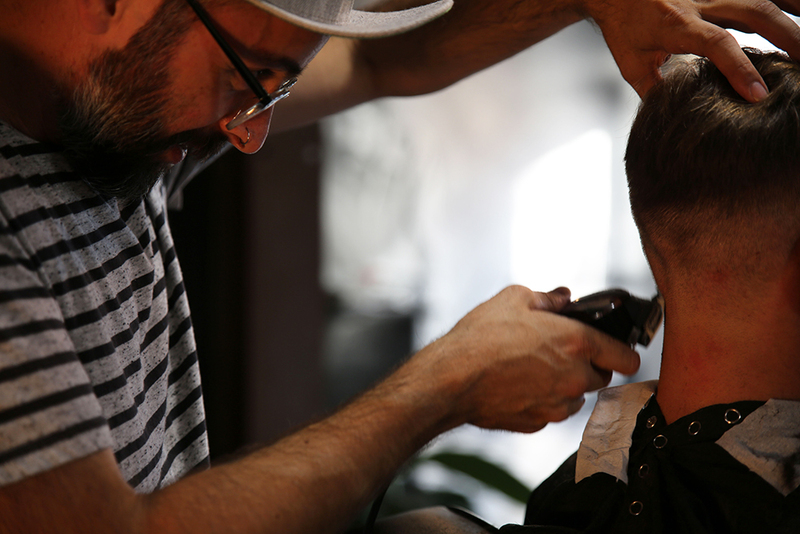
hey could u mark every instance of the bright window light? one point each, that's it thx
(562, 215)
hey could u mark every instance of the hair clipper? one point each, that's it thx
(619, 314)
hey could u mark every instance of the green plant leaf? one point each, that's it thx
(484, 471)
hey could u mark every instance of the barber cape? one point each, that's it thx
(726, 468)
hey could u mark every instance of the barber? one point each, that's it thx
(509, 364)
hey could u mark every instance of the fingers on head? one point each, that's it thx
(645, 77)
(638, 67)
(718, 45)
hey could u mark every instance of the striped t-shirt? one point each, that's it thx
(96, 344)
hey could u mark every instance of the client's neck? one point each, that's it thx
(718, 350)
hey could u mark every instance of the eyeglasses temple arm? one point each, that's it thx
(246, 73)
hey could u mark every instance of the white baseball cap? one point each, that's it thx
(337, 17)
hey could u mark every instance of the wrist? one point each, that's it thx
(436, 381)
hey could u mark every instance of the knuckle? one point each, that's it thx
(583, 345)
(534, 427)
(715, 37)
(516, 290)
(576, 387)
(675, 15)
(764, 9)
(536, 420)
(560, 414)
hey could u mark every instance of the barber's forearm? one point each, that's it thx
(313, 481)
(474, 35)
(509, 364)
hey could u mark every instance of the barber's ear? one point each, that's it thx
(97, 15)
(101, 16)
(113, 22)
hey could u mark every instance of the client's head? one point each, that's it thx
(714, 180)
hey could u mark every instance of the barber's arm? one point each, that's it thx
(478, 33)
(509, 364)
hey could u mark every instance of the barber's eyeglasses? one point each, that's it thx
(265, 100)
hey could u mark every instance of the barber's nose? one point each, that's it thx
(250, 136)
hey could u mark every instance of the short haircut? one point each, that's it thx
(701, 159)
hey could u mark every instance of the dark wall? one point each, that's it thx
(248, 241)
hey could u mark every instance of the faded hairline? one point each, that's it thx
(713, 178)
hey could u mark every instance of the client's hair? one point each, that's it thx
(708, 171)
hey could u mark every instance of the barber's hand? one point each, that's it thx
(521, 366)
(641, 34)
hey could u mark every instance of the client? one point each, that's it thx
(714, 444)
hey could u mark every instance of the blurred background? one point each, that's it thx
(319, 264)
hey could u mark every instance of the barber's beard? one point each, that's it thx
(113, 129)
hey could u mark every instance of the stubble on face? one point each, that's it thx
(113, 127)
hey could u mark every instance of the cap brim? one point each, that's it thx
(365, 24)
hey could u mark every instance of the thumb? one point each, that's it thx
(641, 69)
(552, 300)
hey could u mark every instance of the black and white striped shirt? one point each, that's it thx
(96, 344)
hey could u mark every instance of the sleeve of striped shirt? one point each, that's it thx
(49, 414)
